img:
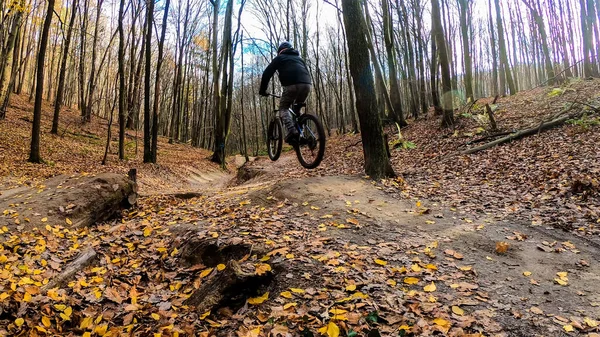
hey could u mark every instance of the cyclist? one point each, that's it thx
(296, 83)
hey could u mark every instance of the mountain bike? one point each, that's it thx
(310, 147)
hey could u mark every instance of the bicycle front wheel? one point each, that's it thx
(274, 139)
(311, 146)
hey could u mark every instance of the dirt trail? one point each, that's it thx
(533, 305)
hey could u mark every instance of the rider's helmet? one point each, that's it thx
(283, 46)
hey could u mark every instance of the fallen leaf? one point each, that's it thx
(536, 310)
(331, 330)
(458, 310)
(258, 300)
(501, 247)
(411, 280)
(380, 262)
(430, 287)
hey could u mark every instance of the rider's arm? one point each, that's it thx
(267, 74)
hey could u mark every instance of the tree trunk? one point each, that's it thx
(377, 163)
(223, 113)
(63, 70)
(391, 58)
(34, 155)
(159, 62)
(440, 41)
(147, 75)
(6, 61)
(503, 52)
(464, 28)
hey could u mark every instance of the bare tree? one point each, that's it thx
(377, 162)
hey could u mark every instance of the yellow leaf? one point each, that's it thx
(147, 231)
(561, 282)
(259, 300)
(206, 272)
(527, 273)
(289, 305)
(391, 282)
(415, 268)
(411, 280)
(286, 294)
(430, 287)
(338, 311)
(418, 204)
(297, 290)
(60, 307)
(68, 221)
(590, 322)
(68, 311)
(86, 323)
(46, 321)
(44, 219)
(380, 262)
(458, 310)
(221, 267)
(289, 256)
(431, 267)
(204, 315)
(253, 333)
(27, 297)
(442, 323)
(155, 316)
(87, 334)
(562, 274)
(405, 328)
(41, 329)
(263, 268)
(101, 329)
(19, 321)
(568, 328)
(331, 330)
(351, 287)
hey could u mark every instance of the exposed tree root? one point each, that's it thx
(83, 260)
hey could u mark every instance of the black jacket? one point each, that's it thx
(291, 67)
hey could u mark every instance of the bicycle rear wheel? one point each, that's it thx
(274, 139)
(311, 146)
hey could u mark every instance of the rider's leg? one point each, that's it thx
(287, 99)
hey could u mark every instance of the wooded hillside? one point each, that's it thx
(189, 70)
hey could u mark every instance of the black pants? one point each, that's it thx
(292, 94)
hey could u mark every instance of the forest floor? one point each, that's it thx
(503, 242)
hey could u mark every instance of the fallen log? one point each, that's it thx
(527, 132)
(83, 260)
(226, 286)
(75, 201)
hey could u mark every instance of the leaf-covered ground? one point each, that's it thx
(458, 246)
(79, 148)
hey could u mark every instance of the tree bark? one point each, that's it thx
(34, 155)
(440, 41)
(464, 28)
(63, 70)
(159, 62)
(377, 163)
(147, 75)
